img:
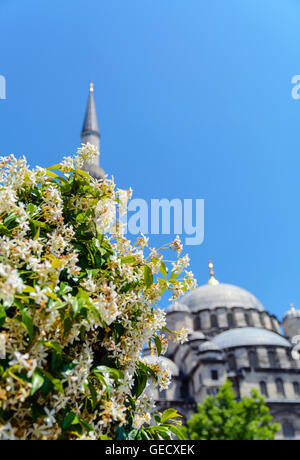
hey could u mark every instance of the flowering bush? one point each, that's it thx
(77, 306)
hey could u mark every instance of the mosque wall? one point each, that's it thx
(288, 416)
(266, 367)
(291, 327)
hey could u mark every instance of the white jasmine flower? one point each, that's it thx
(50, 420)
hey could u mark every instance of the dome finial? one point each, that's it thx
(212, 279)
(292, 306)
(91, 87)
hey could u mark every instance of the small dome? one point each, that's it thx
(177, 307)
(209, 346)
(292, 313)
(212, 296)
(196, 335)
(247, 336)
(165, 363)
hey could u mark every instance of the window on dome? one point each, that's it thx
(273, 361)
(214, 321)
(263, 388)
(214, 374)
(163, 394)
(253, 359)
(262, 320)
(296, 388)
(288, 430)
(230, 320)
(184, 390)
(280, 387)
(289, 354)
(274, 324)
(232, 362)
(248, 319)
(197, 323)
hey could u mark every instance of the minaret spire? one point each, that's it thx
(212, 280)
(90, 134)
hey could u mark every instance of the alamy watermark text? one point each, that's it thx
(296, 88)
(2, 87)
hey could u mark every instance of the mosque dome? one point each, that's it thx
(292, 313)
(215, 294)
(212, 296)
(196, 335)
(177, 307)
(249, 336)
(208, 346)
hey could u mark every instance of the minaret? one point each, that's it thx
(90, 134)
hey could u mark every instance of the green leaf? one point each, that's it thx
(67, 325)
(28, 324)
(9, 219)
(64, 288)
(132, 434)
(128, 260)
(147, 370)
(2, 316)
(114, 373)
(93, 395)
(31, 209)
(83, 173)
(132, 402)
(4, 230)
(37, 382)
(82, 332)
(51, 174)
(148, 276)
(141, 378)
(53, 345)
(163, 431)
(173, 276)
(158, 344)
(57, 166)
(167, 330)
(104, 437)
(55, 262)
(70, 419)
(55, 382)
(145, 436)
(81, 218)
(157, 419)
(163, 284)
(168, 414)
(83, 296)
(37, 233)
(85, 425)
(178, 431)
(163, 270)
(28, 289)
(118, 330)
(75, 305)
(103, 382)
(52, 295)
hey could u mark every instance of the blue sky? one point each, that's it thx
(194, 101)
